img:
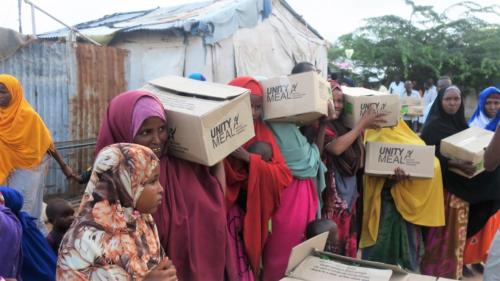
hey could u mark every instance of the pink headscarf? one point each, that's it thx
(146, 107)
(116, 125)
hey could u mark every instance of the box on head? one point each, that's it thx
(206, 121)
(359, 100)
(299, 98)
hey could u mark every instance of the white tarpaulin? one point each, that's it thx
(274, 46)
(271, 48)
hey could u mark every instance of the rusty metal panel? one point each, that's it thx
(69, 85)
(101, 75)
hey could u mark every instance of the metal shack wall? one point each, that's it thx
(69, 85)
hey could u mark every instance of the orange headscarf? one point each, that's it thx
(24, 138)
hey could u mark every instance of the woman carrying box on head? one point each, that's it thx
(299, 201)
(191, 219)
(475, 198)
(394, 208)
(254, 187)
(342, 151)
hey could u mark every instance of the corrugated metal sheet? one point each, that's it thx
(69, 85)
(45, 69)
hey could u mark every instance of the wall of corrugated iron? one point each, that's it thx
(69, 85)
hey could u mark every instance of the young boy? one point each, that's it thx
(319, 226)
(60, 215)
(262, 148)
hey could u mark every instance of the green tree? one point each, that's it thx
(428, 45)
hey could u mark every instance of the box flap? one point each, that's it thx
(201, 89)
(319, 269)
(304, 249)
(358, 92)
(364, 263)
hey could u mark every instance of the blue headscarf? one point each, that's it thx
(197, 76)
(39, 260)
(480, 118)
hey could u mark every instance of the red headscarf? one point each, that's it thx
(264, 182)
(191, 219)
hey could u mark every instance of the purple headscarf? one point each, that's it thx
(145, 107)
(116, 125)
(10, 241)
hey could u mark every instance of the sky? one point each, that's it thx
(331, 18)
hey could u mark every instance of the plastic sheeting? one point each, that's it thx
(273, 47)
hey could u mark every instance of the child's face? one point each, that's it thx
(64, 218)
(256, 102)
(151, 196)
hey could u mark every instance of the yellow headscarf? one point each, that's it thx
(24, 138)
(419, 201)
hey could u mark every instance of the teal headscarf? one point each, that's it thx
(302, 158)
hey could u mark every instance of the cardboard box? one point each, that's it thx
(383, 158)
(412, 101)
(467, 145)
(412, 110)
(206, 121)
(299, 98)
(358, 100)
(308, 262)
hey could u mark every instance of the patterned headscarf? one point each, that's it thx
(110, 239)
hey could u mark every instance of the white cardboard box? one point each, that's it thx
(206, 121)
(299, 98)
(358, 100)
(305, 264)
(383, 158)
(467, 145)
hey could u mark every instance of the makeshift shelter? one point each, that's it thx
(222, 39)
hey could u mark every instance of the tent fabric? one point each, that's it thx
(11, 42)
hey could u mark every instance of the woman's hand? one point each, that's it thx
(372, 120)
(70, 174)
(241, 154)
(165, 270)
(464, 166)
(399, 175)
(332, 114)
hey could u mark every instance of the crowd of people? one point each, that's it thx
(146, 215)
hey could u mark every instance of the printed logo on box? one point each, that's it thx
(377, 106)
(283, 92)
(227, 129)
(397, 155)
